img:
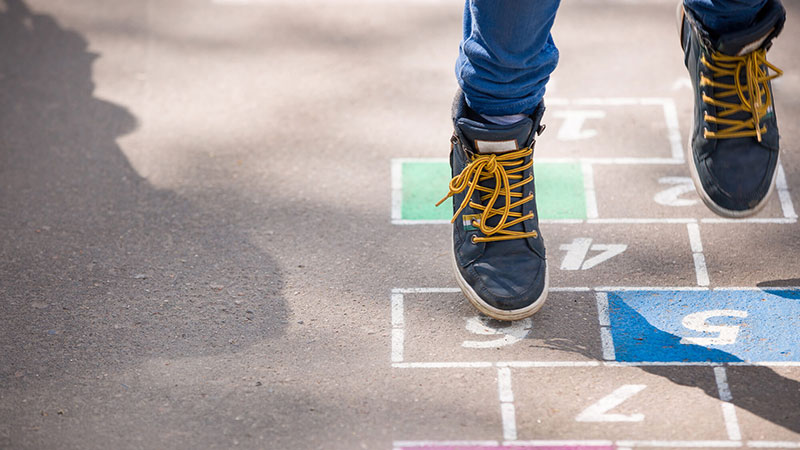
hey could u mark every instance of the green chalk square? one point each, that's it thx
(559, 190)
(424, 184)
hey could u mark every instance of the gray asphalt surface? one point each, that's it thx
(197, 251)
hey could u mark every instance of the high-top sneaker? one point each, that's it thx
(734, 142)
(498, 251)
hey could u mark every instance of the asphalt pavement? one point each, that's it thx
(216, 231)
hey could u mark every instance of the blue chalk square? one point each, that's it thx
(705, 325)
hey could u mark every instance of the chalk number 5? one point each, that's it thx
(726, 334)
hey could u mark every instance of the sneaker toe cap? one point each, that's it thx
(738, 179)
(509, 283)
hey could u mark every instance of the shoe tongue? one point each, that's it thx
(491, 138)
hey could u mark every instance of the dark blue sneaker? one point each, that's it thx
(498, 252)
(734, 142)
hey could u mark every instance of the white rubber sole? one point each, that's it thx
(491, 311)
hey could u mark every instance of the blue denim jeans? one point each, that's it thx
(507, 53)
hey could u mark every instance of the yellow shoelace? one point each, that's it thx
(501, 167)
(754, 98)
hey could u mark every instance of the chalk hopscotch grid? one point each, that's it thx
(503, 368)
(504, 379)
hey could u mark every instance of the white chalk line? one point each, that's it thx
(602, 309)
(662, 364)
(728, 410)
(731, 421)
(701, 272)
(443, 365)
(620, 444)
(756, 288)
(424, 290)
(642, 220)
(682, 444)
(590, 196)
(557, 364)
(606, 338)
(608, 160)
(607, 343)
(508, 415)
(569, 289)
(500, 364)
(506, 394)
(673, 129)
(555, 443)
(649, 288)
(694, 238)
(751, 220)
(433, 443)
(398, 321)
(420, 222)
(628, 221)
(721, 376)
(608, 101)
(398, 327)
(765, 363)
(397, 190)
(441, 290)
(783, 194)
(773, 444)
(546, 364)
(507, 410)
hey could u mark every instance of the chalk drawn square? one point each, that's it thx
(719, 326)
(422, 183)
(442, 327)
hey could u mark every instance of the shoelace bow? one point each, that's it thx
(755, 98)
(501, 167)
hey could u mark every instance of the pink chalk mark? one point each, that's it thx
(550, 447)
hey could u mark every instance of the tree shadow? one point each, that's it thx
(98, 267)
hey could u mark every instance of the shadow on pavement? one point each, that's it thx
(103, 274)
(791, 282)
(757, 389)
